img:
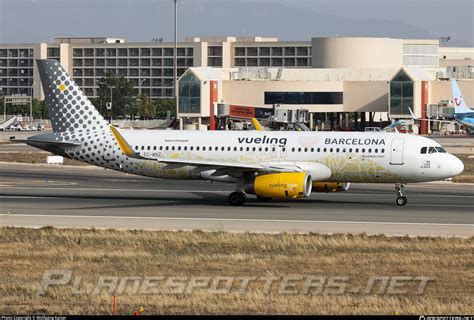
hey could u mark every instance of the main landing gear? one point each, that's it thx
(237, 198)
(401, 199)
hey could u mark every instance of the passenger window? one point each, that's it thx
(266, 149)
(143, 147)
(423, 150)
(383, 151)
(228, 148)
(319, 150)
(357, 150)
(247, 149)
(305, 149)
(197, 148)
(363, 150)
(191, 148)
(203, 148)
(179, 148)
(330, 150)
(161, 148)
(376, 150)
(431, 150)
(253, 149)
(167, 148)
(292, 149)
(283, 149)
(241, 148)
(325, 149)
(216, 148)
(312, 149)
(185, 148)
(337, 150)
(369, 151)
(235, 148)
(350, 150)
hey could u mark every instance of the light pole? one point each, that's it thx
(109, 105)
(175, 71)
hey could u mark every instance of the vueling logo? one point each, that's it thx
(264, 140)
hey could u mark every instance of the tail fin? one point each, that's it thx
(412, 114)
(458, 100)
(69, 109)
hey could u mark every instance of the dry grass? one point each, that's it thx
(468, 173)
(27, 253)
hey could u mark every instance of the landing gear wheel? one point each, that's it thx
(401, 201)
(260, 198)
(236, 198)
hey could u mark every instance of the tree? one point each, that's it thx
(40, 110)
(144, 107)
(164, 105)
(116, 89)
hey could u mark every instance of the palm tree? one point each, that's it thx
(145, 107)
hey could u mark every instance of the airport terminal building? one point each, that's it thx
(371, 78)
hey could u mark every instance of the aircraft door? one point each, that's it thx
(396, 151)
(274, 151)
(282, 151)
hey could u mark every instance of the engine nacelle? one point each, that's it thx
(330, 186)
(280, 185)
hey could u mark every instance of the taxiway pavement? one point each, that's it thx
(86, 197)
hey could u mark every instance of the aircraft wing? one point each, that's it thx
(203, 165)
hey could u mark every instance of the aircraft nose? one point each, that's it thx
(455, 166)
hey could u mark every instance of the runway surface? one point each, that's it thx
(68, 196)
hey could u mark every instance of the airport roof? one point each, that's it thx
(310, 74)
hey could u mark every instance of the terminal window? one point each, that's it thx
(303, 97)
(189, 94)
(401, 94)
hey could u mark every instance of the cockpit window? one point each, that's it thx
(431, 150)
(423, 150)
(440, 149)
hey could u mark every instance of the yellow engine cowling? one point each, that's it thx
(280, 185)
(330, 186)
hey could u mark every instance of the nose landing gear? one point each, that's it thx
(401, 199)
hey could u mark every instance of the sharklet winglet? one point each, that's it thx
(257, 125)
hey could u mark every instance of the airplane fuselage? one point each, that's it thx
(466, 119)
(351, 157)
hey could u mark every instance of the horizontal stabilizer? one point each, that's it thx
(46, 140)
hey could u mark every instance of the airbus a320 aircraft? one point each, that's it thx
(462, 113)
(278, 164)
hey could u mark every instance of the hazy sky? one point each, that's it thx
(25, 21)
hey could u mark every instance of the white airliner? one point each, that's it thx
(268, 164)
